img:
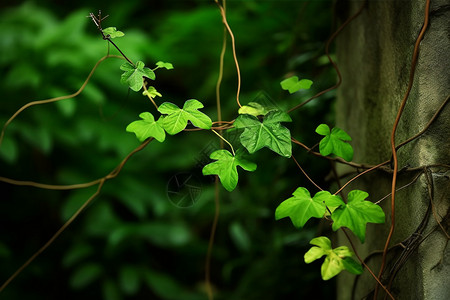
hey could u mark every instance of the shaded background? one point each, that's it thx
(133, 242)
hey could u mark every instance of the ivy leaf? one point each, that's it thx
(292, 84)
(301, 207)
(133, 75)
(336, 260)
(112, 32)
(165, 65)
(226, 167)
(177, 118)
(152, 92)
(269, 133)
(254, 109)
(147, 127)
(356, 214)
(335, 142)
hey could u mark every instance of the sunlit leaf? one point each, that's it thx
(112, 32)
(152, 92)
(133, 75)
(292, 84)
(357, 213)
(226, 167)
(177, 119)
(147, 127)
(254, 109)
(335, 141)
(268, 133)
(165, 65)
(302, 207)
(336, 260)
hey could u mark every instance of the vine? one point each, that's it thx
(259, 126)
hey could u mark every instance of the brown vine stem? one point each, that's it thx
(327, 53)
(337, 159)
(57, 98)
(436, 114)
(209, 289)
(148, 95)
(101, 182)
(233, 45)
(304, 173)
(394, 129)
(365, 265)
(53, 238)
(360, 174)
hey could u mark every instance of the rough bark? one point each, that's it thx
(374, 56)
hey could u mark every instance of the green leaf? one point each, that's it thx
(254, 109)
(166, 65)
(226, 167)
(356, 214)
(336, 260)
(301, 207)
(269, 133)
(335, 142)
(292, 84)
(352, 266)
(147, 127)
(129, 280)
(177, 119)
(110, 290)
(113, 32)
(85, 275)
(133, 75)
(152, 92)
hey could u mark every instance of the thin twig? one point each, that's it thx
(51, 100)
(327, 53)
(394, 129)
(233, 45)
(111, 175)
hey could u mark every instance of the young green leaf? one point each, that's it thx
(356, 214)
(292, 84)
(112, 32)
(254, 109)
(152, 92)
(335, 142)
(147, 127)
(133, 75)
(301, 207)
(336, 260)
(269, 133)
(226, 167)
(165, 65)
(177, 119)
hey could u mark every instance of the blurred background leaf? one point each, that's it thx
(133, 242)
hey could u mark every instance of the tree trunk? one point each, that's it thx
(374, 54)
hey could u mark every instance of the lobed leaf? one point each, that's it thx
(292, 84)
(253, 108)
(177, 119)
(165, 65)
(356, 214)
(147, 127)
(226, 167)
(336, 260)
(302, 207)
(152, 92)
(269, 133)
(335, 141)
(112, 32)
(133, 75)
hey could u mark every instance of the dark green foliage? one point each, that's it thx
(132, 242)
